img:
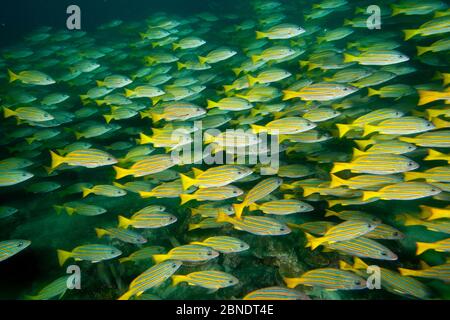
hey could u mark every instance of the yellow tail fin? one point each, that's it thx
(57, 160)
(176, 279)
(428, 96)
(340, 166)
(202, 60)
(291, 282)
(407, 272)
(100, 83)
(156, 117)
(126, 296)
(120, 172)
(108, 118)
(180, 66)
(363, 144)
(358, 153)
(146, 194)
(410, 33)
(222, 217)
(337, 182)
(63, 256)
(238, 209)
(373, 92)
(185, 198)
(344, 128)
(211, 104)
(158, 258)
(252, 80)
(255, 58)
(422, 50)
(314, 242)
(144, 139)
(258, 129)
(329, 213)
(412, 175)
(129, 93)
(307, 191)
(124, 222)
(349, 58)
(260, 35)
(101, 232)
(186, 181)
(287, 95)
(8, 112)
(439, 123)
(369, 195)
(253, 207)
(359, 264)
(12, 76)
(422, 247)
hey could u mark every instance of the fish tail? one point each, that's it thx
(101, 232)
(307, 191)
(332, 203)
(128, 92)
(57, 160)
(258, 129)
(58, 209)
(155, 100)
(368, 129)
(358, 153)
(434, 155)
(337, 182)
(158, 258)
(222, 217)
(349, 58)
(228, 88)
(312, 241)
(252, 80)
(180, 66)
(439, 123)
(185, 198)
(124, 222)
(428, 96)
(330, 213)
(347, 22)
(144, 139)
(237, 71)
(202, 60)
(255, 58)
(146, 194)
(422, 50)
(407, 272)
(211, 104)
(363, 144)
(175, 46)
(108, 118)
(126, 296)
(186, 181)
(345, 266)
(8, 112)
(340, 166)
(344, 128)
(176, 279)
(156, 117)
(100, 83)
(412, 175)
(123, 260)
(63, 256)
(208, 138)
(78, 135)
(260, 35)
(410, 33)
(291, 282)
(193, 226)
(30, 140)
(253, 207)
(422, 247)
(369, 195)
(395, 10)
(373, 92)
(12, 76)
(238, 209)
(70, 211)
(359, 264)
(121, 172)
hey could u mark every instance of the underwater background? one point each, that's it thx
(134, 39)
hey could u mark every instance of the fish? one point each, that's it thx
(31, 77)
(147, 220)
(91, 252)
(13, 177)
(328, 278)
(212, 194)
(439, 246)
(187, 253)
(104, 190)
(88, 158)
(146, 166)
(143, 254)
(379, 164)
(9, 248)
(56, 288)
(275, 293)
(224, 244)
(440, 272)
(259, 191)
(150, 278)
(347, 230)
(262, 226)
(127, 236)
(282, 207)
(209, 279)
(215, 177)
(363, 247)
(403, 191)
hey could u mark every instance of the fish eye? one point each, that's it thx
(410, 164)
(235, 192)
(282, 229)
(395, 234)
(20, 244)
(209, 253)
(358, 283)
(109, 159)
(113, 252)
(369, 225)
(433, 190)
(242, 245)
(429, 124)
(383, 253)
(174, 265)
(230, 281)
